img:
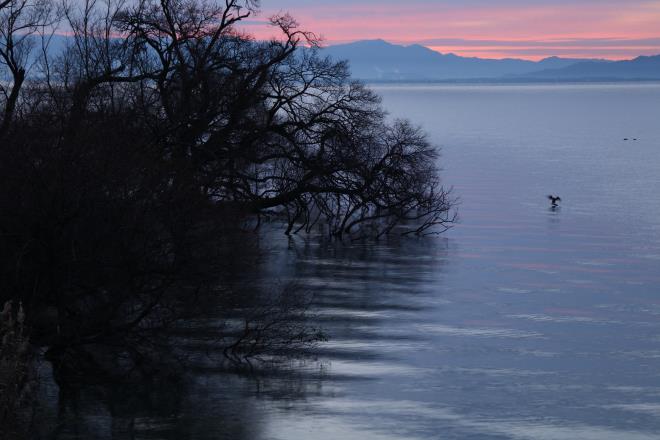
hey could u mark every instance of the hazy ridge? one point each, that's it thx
(378, 60)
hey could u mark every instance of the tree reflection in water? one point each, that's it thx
(354, 290)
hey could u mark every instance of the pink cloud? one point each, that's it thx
(418, 22)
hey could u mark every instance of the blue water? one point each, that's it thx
(521, 322)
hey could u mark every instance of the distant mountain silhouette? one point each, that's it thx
(378, 60)
(640, 68)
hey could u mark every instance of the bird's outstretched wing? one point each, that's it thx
(550, 197)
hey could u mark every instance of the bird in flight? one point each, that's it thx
(554, 200)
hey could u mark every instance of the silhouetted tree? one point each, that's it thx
(131, 159)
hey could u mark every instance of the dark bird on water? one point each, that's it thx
(554, 200)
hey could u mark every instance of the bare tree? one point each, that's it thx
(19, 21)
(274, 125)
(131, 158)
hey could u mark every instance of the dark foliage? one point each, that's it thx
(132, 160)
(15, 374)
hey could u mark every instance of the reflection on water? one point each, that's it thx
(523, 322)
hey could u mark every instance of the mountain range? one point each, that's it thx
(378, 60)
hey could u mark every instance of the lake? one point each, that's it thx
(521, 322)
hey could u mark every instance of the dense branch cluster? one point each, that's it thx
(135, 134)
(260, 124)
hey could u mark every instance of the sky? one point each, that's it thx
(530, 29)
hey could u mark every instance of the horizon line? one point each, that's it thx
(472, 53)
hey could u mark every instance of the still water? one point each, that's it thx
(522, 322)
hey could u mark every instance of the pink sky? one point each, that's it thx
(529, 29)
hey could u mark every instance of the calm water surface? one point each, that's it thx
(520, 323)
